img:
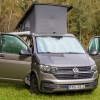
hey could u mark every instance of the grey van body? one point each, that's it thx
(73, 70)
(59, 63)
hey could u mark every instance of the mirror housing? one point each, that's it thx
(24, 52)
(93, 53)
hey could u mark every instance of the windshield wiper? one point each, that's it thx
(50, 52)
(74, 53)
(62, 52)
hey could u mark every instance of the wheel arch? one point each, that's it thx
(34, 72)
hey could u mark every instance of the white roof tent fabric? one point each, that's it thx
(44, 18)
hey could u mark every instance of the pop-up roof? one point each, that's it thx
(44, 18)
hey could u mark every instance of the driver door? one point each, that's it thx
(13, 67)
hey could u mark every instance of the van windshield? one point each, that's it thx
(58, 44)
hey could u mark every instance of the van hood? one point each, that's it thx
(65, 59)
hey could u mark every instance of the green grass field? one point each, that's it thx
(16, 92)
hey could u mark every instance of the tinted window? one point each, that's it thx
(94, 45)
(12, 44)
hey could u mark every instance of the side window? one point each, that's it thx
(12, 44)
(94, 45)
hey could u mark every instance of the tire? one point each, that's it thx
(34, 84)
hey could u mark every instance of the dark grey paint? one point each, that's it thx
(64, 59)
(44, 18)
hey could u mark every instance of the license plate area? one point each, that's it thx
(75, 87)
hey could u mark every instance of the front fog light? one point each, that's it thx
(94, 68)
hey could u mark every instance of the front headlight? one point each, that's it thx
(94, 68)
(48, 69)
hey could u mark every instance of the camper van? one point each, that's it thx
(59, 62)
(51, 60)
(56, 62)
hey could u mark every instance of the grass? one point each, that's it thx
(16, 92)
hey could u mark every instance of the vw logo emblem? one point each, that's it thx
(75, 70)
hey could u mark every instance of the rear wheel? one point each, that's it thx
(34, 84)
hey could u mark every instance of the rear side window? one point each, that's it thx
(12, 44)
(94, 45)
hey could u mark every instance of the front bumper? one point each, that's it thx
(50, 87)
(50, 83)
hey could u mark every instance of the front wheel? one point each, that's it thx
(34, 84)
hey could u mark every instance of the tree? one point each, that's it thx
(81, 20)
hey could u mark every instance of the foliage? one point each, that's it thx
(83, 20)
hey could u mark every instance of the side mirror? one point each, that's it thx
(24, 52)
(93, 53)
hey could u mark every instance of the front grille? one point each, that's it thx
(65, 73)
(72, 76)
(85, 68)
